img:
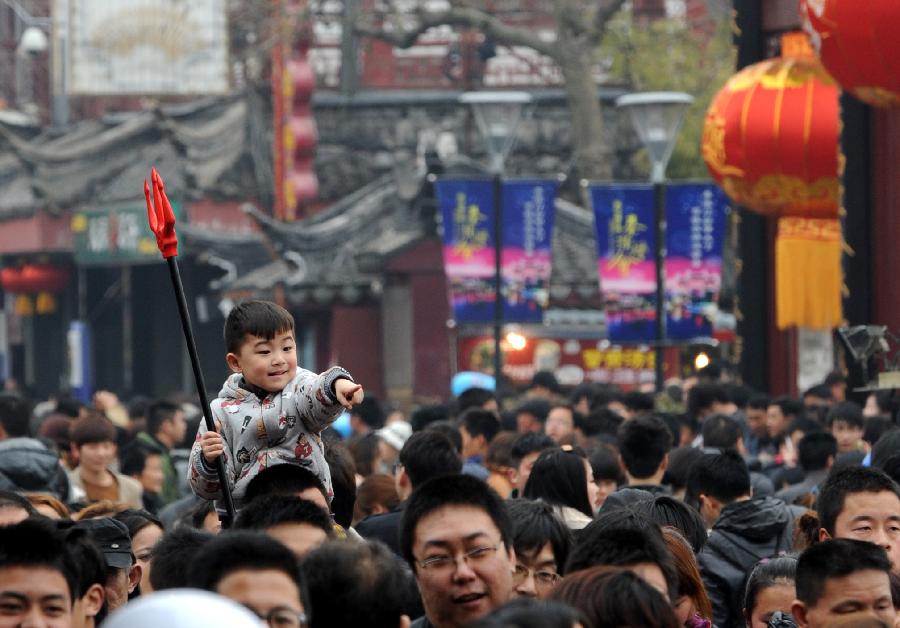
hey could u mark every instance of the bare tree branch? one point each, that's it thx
(606, 9)
(405, 37)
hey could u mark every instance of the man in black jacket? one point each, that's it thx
(427, 454)
(744, 529)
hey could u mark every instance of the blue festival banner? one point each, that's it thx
(696, 217)
(467, 213)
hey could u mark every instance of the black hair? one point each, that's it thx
(702, 396)
(814, 449)
(473, 398)
(69, 406)
(534, 524)
(887, 446)
(365, 449)
(343, 481)
(834, 377)
(845, 411)
(643, 443)
(891, 466)
(282, 479)
(272, 510)
(356, 584)
(604, 461)
(427, 455)
(600, 421)
(622, 538)
(530, 613)
(724, 476)
(875, 427)
(38, 543)
(788, 405)
(133, 457)
(559, 477)
(547, 380)
(721, 432)
(175, 550)
(738, 394)
(448, 429)
(759, 402)
(479, 422)
(91, 563)
(680, 461)
(240, 549)
(804, 424)
(425, 415)
(537, 407)
(531, 443)
(767, 574)
(585, 390)
(819, 391)
(638, 401)
(371, 413)
(158, 412)
(137, 519)
(451, 490)
(835, 558)
(666, 510)
(849, 481)
(262, 319)
(15, 414)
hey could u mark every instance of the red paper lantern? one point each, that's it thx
(11, 279)
(858, 42)
(34, 278)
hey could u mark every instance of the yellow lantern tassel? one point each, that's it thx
(808, 274)
(46, 304)
(24, 306)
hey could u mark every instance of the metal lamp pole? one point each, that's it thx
(657, 118)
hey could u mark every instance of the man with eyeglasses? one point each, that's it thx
(256, 571)
(457, 538)
(542, 542)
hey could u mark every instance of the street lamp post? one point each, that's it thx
(497, 115)
(657, 118)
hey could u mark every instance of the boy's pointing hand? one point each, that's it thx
(348, 394)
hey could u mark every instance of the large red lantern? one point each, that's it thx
(39, 279)
(858, 42)
(771, 140)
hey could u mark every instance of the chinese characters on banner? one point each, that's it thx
(624, 220)
(467, 212)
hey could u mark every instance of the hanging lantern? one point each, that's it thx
(43, 278)
(45, 303)
(23, 305)
(859, 45)
(771, 141)
(11, 279)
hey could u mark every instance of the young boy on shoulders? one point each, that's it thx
(269, 410)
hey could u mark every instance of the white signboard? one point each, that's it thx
(144, 46)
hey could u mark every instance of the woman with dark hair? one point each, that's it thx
(612, 596)
(525, 613)
(692, 606)
(145, 531)
(608, 474)
(563, 478)
(770, 588)
(669, 511)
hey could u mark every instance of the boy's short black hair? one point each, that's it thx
(282, 479)
(269, 511)
(175, 550)
(721, 432)
(604, 461)
(849, 481)
(473, 398)
(159, 412)
(240, 549)
(600, 422)
(451, 490)
(724, 476)
(875, 427)
(428, 454)
(835, 558)
(94, 428)
(788, 406)
(702, 397)
(38, 543)
(666, 510)
(639, 402)
(15, 414)
(534, 524)
(423, 416)
(479, 422)
(643, 443)
(845, 411)
(133, 457)
(530, 443)
(263, 319)
(537, 407)
(814, 450)
(450, 430)
(356, 584)
(759, 402)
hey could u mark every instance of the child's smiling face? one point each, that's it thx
(267, 363)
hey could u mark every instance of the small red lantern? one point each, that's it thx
(858, 42)
(43, 278)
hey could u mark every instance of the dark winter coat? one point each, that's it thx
(28, 466)
(745, 533)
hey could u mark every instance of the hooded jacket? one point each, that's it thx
(282, 427)
(27, 465)
(745, 533)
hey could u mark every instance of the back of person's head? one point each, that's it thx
(94, 428)
(545, 379)
(638, 402)
(665, 510)
(532, 613)
(136, 519)
(537, 407)
(586, 391)
(422, 416)
(272, 510)
(601, 422)
(690, 583)
(449, 430)
(451, 490)
(531, 443)
(480, 422)
(721, 432)
(343, 481)
(643, 443)
(604, 461)
(429, 454)
(615, 597)
(377, 493)
(158, 412)
(738, 394)
(38, 544)
(789, 406)
(370, 412)
(703, 396)
(766, 574)
(724, 476)
(849, 481)
(887, 446)
(262, 319)
(815, 449)
(846, 411)
(474, 398)
(282, 479)
(560, 478)
(238, 550)
(356, 584)
(835, 558)
(681, 459)
(875, 427)
(534, 524)
(15, 413)
(819, 391)
(499, 453)
(172, 553)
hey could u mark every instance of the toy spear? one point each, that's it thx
(162, 223)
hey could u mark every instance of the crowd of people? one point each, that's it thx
(704, 505)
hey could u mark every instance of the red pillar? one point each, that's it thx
(886, 217)
(355, 341)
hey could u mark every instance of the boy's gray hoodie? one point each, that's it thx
(282, 427)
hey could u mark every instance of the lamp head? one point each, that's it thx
(657, 118)
(864, 341)
(33, 41)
